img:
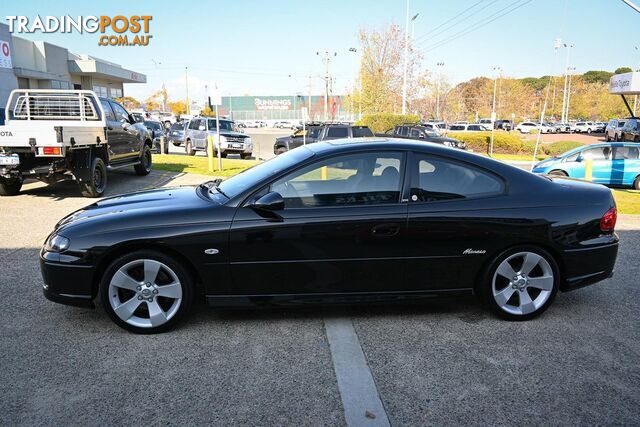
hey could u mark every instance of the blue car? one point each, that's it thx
(615, 163)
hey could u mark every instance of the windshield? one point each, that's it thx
(224, 125)
(153, 125)
(249, 178)
(177, 126)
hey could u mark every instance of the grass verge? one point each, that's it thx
(200, 165)
(628, 201)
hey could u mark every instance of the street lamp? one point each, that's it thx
(359, 80)
(570, 70)
(564, 118)
(326, 59)
(438, 64)
(496, 70)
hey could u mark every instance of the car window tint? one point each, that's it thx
(415, 133)
(573, 157)
(361, 132)
(354, 179)
(402, 130)
(337, 132)
(108, 113)
(598, 153)
(224, 125)
(118, 110)
(620, 124)
(626, 153)
(440, 179)
(313, 132)
(457, 127)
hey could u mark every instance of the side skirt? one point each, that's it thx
(240, 301)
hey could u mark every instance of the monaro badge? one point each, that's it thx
(470, 251)
(211, 251)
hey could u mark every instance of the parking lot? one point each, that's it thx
(442, 363)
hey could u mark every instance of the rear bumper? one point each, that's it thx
(66, 283)
(583, 267)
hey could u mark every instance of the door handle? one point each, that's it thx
(385, 230)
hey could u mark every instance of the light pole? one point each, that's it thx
(357, 79)
(186, 81)
(570, 70)
(406, 57)
(566, 75)
(497, 70)
(413, 25)
(438, 64)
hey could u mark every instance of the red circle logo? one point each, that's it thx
(5, 49)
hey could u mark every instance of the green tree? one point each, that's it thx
(622, 70)
(597, 76)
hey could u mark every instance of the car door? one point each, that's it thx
(130, 134)
(625, 165)
(342, 230)
(451, 226)
(601, 164)
(115, 133)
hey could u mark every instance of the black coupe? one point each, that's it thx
(340, 221)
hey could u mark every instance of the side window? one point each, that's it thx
(626, 153)
(573, 157)
(349, 180)
(402, 130)
(415, 133)
(118, 110)
(437, 179)
(108, 113)
(599, 153)
(337, 132)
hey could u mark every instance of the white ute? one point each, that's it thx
(53, 135)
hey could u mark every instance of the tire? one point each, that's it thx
(177, 144)
(146, 280)
(222, 155)
(146, 161)
(188, 148)
(636, 183)
(558, 172)
(606, 138)
(636, 139)
(589, 130)
(97, 184)
(507, 282)
(280, 150)
(245, 156)
(10, 187)
(615, 137)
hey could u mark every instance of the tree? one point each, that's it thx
(597, 76)
(207, 112)
(622, 70)
(128, 102)
(177, 107)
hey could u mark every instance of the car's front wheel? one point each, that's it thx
(146, 292)
(521, 283)
(188, 148)
(146, 161)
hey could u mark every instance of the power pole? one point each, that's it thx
(186, 81)
(406, 56)
(566, 76)
(493, 108)
(438, 64)
(325, 61)
(570, 71)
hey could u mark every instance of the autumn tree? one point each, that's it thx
(177, 107)
(128, 102)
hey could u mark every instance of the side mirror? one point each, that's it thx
(579, 158)
(201, 127)
(271, 201)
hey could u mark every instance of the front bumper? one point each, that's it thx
(67, 283)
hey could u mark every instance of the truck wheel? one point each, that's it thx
(188, 148)
(98, 181)
(223, 155)
(10, 187)
(146, 161)
(245, 156)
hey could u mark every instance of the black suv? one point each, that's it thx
(320, 133)
(423, 133)
(631, 130)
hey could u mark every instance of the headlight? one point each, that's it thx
(223, 138)
(247, 140)
(56, 243)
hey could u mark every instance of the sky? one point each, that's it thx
(251, 47)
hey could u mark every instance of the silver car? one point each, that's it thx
(231, 141)
(613, 131)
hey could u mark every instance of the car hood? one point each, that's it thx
(159, 207)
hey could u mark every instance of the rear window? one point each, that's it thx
(177, 126)
(336, 132)
(362, 132)
(457, 127)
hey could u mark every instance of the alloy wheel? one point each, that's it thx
(522, 283)
(145, 293)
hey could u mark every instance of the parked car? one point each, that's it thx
(504, 124)
(177, 132)
(563, 127)
(614, 163)
(526, 127)
(613, 130)
(584, 127)
(231, 142)
(283, 125)
(53, 135)
(260, 124)
(422, 133)
(631, 130)
(474, 127)
(323, 133)
(158, 135)
(438, 126)
(486, 123)
(307, 136)
(337, 222)
(600, 126)
(167, 118)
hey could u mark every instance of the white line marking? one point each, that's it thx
(360, 398)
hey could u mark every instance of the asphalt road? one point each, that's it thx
(442, 363)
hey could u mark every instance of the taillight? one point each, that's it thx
(51, 151)
(608, 220)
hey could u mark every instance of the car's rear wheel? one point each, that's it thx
(606, 138)
(188, 148)
(615, 137)
(146, 292)
(146, 161)
(245, 156)
(558, 172)
(10, 187)
(636, 183)
(521, 283)
(97, 182)
(589, 130)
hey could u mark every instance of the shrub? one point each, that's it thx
(560, 147)
(382, 122)
(503, 142)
